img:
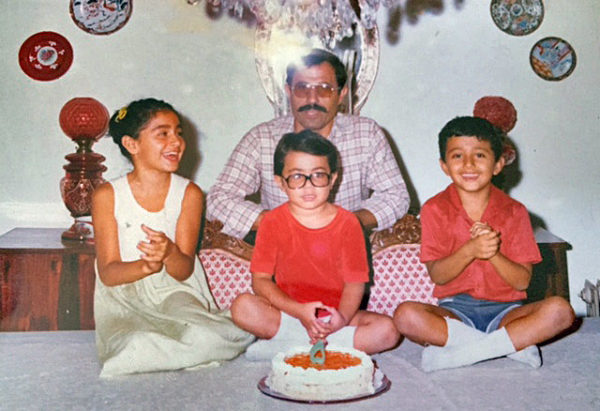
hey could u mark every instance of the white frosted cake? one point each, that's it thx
(346, 373)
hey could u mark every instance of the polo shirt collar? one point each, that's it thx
(496, 204)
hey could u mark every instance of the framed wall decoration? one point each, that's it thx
(552, 58)
(100, 16)
(517, 17)
(45, 56)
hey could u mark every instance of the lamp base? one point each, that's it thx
(81, 231)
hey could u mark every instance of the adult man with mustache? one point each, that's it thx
(370, 183)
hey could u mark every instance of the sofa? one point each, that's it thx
(398, 274)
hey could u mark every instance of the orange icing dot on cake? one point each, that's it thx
(334, 360)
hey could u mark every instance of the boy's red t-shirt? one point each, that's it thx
(311, 264)
(445, 227)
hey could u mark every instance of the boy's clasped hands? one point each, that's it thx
(485, 241)
(321, 320)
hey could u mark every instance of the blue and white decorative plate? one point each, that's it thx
(517, 17)
(100, 16)
(552, 58)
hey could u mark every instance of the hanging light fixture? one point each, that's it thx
(329, 20)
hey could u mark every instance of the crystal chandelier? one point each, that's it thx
(329, 20)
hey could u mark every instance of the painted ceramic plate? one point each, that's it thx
(45, 56)
(382, 384)
(552, 58)
(100, 16)
(517, 17)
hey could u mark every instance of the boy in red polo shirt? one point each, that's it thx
(309, 255)
(479, 248)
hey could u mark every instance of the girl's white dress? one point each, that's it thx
(158, 323)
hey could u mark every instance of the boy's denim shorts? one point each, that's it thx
(483, 315)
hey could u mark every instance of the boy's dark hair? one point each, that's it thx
(306, 141)
(471, 126)
(131, 119)
(314, 58)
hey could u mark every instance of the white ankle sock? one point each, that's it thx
(528, 355)
(495, 344)
(344, 337)
(460, 333)
(290, 334)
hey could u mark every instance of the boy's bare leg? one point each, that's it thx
(374, 332)
(537, 322)
(255, 315)
(429, 324)
(546, 318)
(423, 323)
(277, 331)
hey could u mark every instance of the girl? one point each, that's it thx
(152, 306)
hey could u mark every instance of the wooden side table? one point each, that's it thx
(550, 277)
(45, 284)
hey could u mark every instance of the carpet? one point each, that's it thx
(59, 371)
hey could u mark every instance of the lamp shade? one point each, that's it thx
(84, 118)
(498, 111)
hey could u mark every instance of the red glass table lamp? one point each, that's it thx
(84, 120)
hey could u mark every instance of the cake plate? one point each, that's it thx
(381, 382)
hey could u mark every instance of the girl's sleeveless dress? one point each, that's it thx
(158, 323)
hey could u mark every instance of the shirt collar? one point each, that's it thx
(495, 205)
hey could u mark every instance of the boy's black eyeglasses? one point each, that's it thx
(323, 90)
(297, 180)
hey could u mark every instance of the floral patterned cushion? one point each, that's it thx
(398, 276)
(227, 275)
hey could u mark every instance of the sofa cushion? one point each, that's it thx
(228, 275)
(399, 275)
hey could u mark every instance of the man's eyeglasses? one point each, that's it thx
(297, 180)
(323, 90)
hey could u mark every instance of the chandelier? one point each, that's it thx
(329, 20)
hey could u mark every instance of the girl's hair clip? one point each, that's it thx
(122, 114)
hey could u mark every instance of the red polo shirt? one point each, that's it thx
(445, 227)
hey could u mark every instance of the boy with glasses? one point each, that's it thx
(371, 186)
(309, 257)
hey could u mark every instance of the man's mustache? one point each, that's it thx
(313, 107)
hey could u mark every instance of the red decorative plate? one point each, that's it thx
(45, 56)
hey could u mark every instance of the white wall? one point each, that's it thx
(438, 69)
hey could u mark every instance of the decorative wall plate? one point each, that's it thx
(552, 58)
(517, 17)
(100, 16)
(45, 56)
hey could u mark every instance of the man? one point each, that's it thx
(370, 182)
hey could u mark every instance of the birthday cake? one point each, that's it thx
(345, 373)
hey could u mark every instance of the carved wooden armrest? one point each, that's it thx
(406, 230)
(213, 237)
